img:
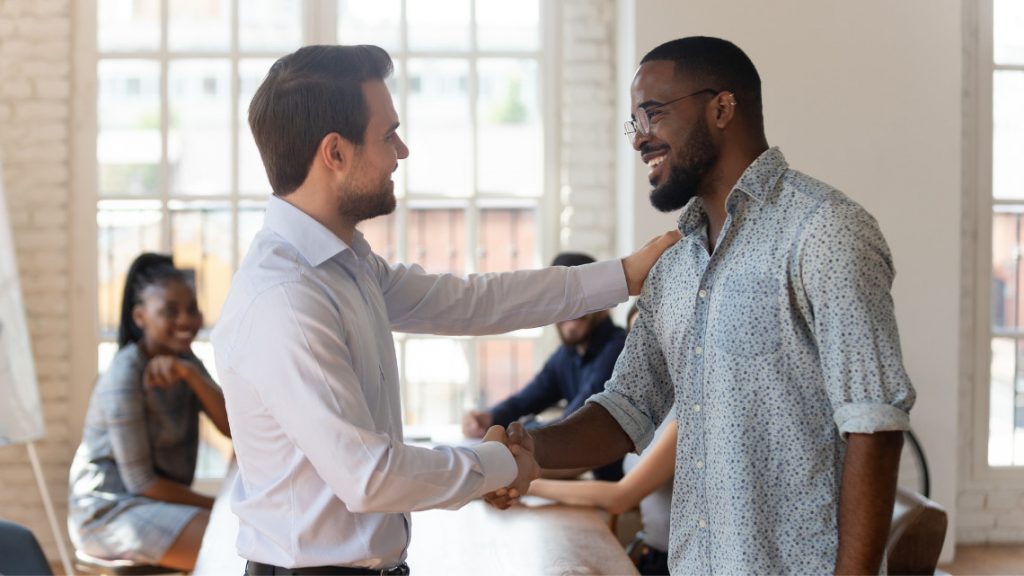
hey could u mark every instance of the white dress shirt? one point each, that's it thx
(307, 363)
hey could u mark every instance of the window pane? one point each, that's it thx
(438, 124)
(250, 221)
(438, 24)
(1008, 21)
(202, 241)
(380, 234)
(436, 239)
(1008, 134)
(1006, 246)
(510, 142)
(199, 25)
(125, 229)
(1006, 429)
(370, 22)
(128, 117)
(437, 377)
(127, 25)
(198, 142)
(504, 25)
(269, 25)
(503, 368)
(507, 239)
(252, 176)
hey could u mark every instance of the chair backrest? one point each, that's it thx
(916, 535)
(20, 552)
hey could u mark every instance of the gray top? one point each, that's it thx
(655, 507)
(132, 435)
(772, 348)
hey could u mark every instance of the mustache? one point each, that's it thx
(647, 147)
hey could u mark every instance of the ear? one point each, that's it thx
(335, 153)
(139, 316)
(724, 109)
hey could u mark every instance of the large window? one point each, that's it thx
(1006, 400)
(177, 169)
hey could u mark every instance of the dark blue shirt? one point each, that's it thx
(570, 377)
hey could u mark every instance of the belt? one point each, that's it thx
(261, 569)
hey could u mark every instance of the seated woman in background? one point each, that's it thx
(647, 482)
(129, 494)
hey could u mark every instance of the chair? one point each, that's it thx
(20, 552)
(87, 564)
(916, 535)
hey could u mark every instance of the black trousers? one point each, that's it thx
(261, 569)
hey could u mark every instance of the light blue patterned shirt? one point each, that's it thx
(773, 348)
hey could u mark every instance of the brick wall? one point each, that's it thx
(35, 105)
(587, 71)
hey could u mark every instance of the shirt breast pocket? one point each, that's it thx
(747, 323)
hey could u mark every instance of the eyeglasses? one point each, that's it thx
(642, 124)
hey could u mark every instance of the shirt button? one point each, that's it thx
(700, 463)
(703, 293)
(698, 350)
(696, 407)
(702, 523)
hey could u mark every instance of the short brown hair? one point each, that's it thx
(307, 95)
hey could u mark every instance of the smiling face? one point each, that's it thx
(169, 318)
(679, 151)
(369, 191)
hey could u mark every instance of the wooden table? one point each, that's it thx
(536, 538)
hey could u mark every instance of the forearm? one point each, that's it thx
(581, 493)
(867, 494)
(169, 491)
(212, 400)
(589, 438)
(562, 473)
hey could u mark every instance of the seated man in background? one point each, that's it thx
(576, 371)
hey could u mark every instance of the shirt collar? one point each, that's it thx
(757, 181)
(312, 239)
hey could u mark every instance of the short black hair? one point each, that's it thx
(307, 95)
(718, 64)
(572, 259)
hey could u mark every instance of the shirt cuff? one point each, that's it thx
(634, 423)
(498, 465)
(604, 284)
(870, 417)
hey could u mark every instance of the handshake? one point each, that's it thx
(520, 444)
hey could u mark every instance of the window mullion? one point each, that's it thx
(165, 123)
(234, 126)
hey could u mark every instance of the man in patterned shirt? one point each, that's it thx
(770, 326)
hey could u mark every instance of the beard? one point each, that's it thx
(584, 328)
(687, 174)
(365, 201)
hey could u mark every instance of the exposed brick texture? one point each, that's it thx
(35, 110)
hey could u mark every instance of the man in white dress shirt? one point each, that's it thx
(304, 347)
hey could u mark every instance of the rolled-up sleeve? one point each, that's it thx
(640, 393)
(846, 274)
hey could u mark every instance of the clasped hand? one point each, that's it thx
(520, 444)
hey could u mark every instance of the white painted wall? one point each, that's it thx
(867, 97)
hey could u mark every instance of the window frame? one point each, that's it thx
(319, 25)
(979, 75)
